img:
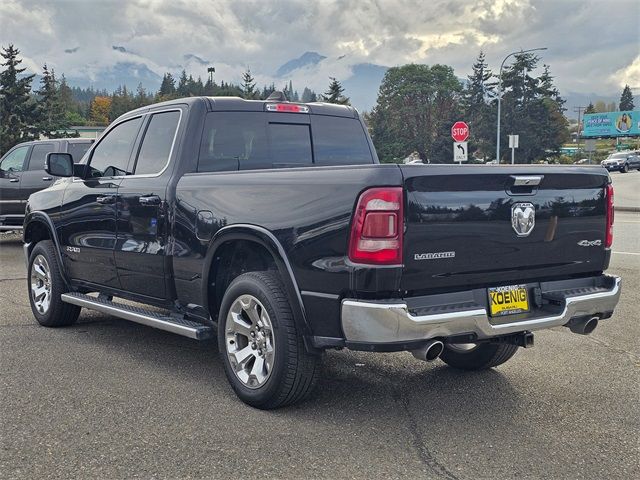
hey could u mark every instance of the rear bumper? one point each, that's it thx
(402, 321)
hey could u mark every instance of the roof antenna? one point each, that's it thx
(278, 96)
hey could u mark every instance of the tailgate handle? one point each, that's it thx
(526, 180)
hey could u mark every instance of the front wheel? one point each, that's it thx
(477, 356)
(625, 168)
(262, 351)
(45, 285)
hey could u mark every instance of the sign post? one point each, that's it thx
(513, 144)
(460, 133)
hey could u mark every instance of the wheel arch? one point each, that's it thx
(263, 239)
(38, 226)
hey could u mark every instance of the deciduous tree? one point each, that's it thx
(416, 107)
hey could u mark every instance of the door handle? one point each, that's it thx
(14, 180)
(106, 200)
(149, 200)
(47, 179)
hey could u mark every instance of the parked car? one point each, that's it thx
(622, 162)
(273, 227)
(22, 173)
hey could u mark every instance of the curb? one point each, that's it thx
(627, 209)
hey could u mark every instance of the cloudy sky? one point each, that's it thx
(593, 45)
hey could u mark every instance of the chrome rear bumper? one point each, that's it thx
(392, 321)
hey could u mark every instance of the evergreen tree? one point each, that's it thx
(183, 85)
(248, 86)
(533, 109)
(478, 113)
(335, 93)
(590, 108)
(17, 108)
(626, 99)
(141, 98)
(167, 87)
(121, 103)
(52, 119)
(306, 95)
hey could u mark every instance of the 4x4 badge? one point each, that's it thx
(523, 218)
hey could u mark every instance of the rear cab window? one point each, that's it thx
(263, 140)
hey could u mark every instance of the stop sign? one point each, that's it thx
(460, 131)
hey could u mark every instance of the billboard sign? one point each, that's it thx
(611, 124)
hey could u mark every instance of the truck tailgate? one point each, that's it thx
(460, 231)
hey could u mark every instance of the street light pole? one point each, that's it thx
(500, 95)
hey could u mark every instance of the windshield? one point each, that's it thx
(618, 156)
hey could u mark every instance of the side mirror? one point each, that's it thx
(59, 164)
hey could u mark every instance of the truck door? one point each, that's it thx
(10, 174)
(34, 177)
(88, 228)
(141, 249)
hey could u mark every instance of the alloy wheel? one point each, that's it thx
(250, 341)
(41, 284)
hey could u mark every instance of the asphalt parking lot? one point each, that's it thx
(111, 399)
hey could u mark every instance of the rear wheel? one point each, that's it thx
(477, 356)
(264, 357)
(45, 285)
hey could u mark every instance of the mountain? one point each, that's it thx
(122, 73)
(306, 59)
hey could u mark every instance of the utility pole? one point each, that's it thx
(579, 110)
(211, 71)
(500, 95)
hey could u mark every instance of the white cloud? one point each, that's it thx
(629, 75)
(588, 44)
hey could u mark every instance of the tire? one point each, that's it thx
(481, 357)
(625, 168)
(45, 285)
(264, 358)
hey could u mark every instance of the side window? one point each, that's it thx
(77, 150)
(111, 155)
(339, 141)
(157, 142)
(234, 141)
(39, 155)
(14, 161)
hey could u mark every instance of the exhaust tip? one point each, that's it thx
(430, 351)
(583, 326)
(434, 350)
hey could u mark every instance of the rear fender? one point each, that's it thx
(266, 239)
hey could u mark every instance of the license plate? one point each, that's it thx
(508, 300)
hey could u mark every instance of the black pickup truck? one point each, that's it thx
(272, 226)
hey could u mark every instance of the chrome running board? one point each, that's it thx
(178, 325)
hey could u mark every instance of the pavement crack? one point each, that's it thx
(12, 279)
(426, 457)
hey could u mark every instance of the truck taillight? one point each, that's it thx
(608, 239)
(377, 227)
